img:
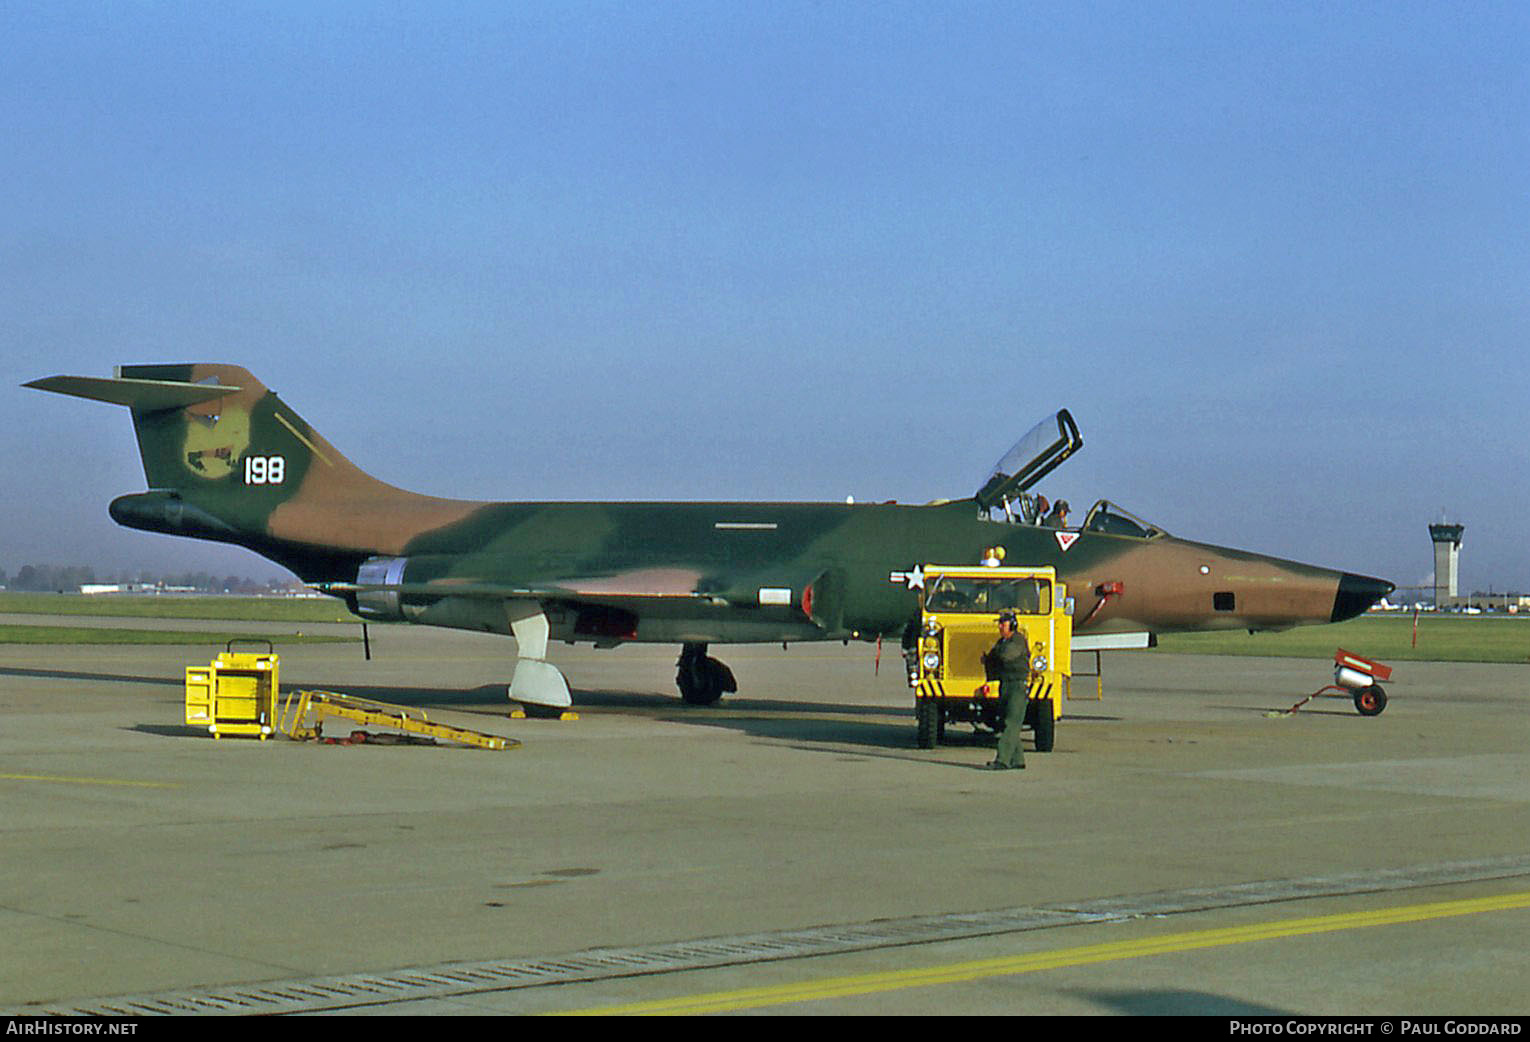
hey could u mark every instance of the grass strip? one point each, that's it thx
(1441, 638)
(177, 606)
(124, 635)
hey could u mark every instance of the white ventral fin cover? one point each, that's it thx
(536, 681)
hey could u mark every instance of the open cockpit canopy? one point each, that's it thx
(1042, 450)
(1032, 458)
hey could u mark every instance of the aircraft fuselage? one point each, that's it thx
(738, 572)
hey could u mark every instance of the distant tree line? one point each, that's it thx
(69, 578)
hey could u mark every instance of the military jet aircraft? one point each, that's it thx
(228, 460)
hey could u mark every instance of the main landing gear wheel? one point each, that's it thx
(1370, 701)
(702, 680)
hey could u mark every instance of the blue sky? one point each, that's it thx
(1274, 257)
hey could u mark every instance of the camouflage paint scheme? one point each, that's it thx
(227, 460)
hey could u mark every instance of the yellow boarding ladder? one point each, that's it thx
(299, 706)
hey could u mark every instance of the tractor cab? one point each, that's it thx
(959, 610)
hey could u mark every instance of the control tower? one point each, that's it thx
(1447, 554)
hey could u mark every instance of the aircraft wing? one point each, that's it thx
(593, 590)
(818, 596)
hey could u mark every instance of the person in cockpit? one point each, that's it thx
(1058, 518)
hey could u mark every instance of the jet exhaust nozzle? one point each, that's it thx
(380, 604)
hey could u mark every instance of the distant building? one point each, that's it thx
(100, 588)
(1513, 603)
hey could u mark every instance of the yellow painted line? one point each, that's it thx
(299, 436)
(955, 973)
(90, 781)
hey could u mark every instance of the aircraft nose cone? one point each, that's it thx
(1356, 594)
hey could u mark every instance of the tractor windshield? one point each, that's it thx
(951, 593)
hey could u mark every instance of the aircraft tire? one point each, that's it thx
(701, 690)
(928, 723)
(1045, 725)
(702, 679)
(1370, 701)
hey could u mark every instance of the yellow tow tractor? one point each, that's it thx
(959, 608)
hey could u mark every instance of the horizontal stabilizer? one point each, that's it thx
(139, 395)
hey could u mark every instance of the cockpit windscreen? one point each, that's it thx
(1107, 518)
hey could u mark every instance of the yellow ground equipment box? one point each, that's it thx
(235, 694)
(958, 623)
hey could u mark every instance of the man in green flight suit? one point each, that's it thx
(1009, 662)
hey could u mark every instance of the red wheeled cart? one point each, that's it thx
(1356, 677)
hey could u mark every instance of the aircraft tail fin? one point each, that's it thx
(205, 427)
(227, 459)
